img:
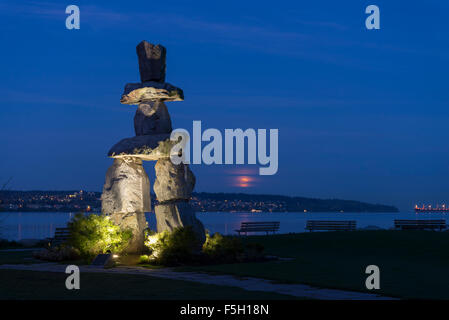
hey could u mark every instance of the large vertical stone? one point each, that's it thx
(127, 187)
(173, 187)
(125, 198)
(173, 182)
(178, 214)
(151, 61)
(152, 118)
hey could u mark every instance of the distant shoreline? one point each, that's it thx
(205, 212)
(78, 201)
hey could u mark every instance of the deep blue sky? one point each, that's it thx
(361, 114)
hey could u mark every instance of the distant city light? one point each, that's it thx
(430, 208)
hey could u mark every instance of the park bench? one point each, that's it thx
(264, 226)
(330, 225)
(61, 236)
(420, 224)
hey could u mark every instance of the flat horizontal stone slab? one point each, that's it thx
(136, 93)
(148, 147)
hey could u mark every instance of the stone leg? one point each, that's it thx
(173, 182)
(173, 187)
(178, 214)
(126, 196)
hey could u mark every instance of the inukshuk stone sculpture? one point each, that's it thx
(126, 192)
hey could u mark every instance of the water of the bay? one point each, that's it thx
(40, 225)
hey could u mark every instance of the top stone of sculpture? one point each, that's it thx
(151, 62)
(152, 87)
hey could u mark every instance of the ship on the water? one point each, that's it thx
(429, 208)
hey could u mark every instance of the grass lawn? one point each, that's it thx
(413, 264)
(47, 285)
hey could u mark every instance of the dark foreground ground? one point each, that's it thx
(413, 264)
(49, 285)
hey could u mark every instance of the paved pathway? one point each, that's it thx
(247, 283)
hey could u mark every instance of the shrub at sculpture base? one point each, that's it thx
(95, 234)
(223, 249)
(144, 259)
(173, 248)
(181, 246)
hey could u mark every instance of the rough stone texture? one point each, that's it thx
(148, 147)
(173, 182)
(127, 188)
(135, 221)
(178, 214)
(151, 61)
(152, 118)
(136, 93)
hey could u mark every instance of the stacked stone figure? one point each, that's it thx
(126, 192)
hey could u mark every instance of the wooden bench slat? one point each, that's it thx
(61, 236)
(420, 224)
(343, 225)
(258, 223)
(259, 226)
(263, 225)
